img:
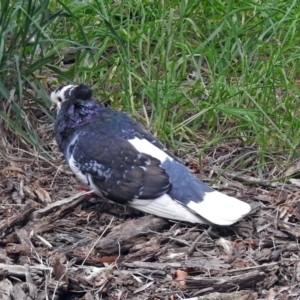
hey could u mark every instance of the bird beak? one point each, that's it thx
(53, 106)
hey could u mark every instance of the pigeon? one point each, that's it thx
(118, 158)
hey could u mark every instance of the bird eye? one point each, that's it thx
(59, 99)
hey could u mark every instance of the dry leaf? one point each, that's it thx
(194, 167)
(12, 170)
(180, 275)
(43, 196)
(28, 192)
(295, 168)
(271, 294)
(226, 245)
(59, 270)
(295, 181)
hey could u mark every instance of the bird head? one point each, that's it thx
(69, 92)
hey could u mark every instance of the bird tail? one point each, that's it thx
(166, 207)
(219, 208)
(215, 208)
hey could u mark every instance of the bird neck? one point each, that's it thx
(72, 115)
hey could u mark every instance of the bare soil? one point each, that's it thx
(59, 243)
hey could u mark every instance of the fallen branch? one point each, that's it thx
(17, 219)
(69, 202)
(20, 271)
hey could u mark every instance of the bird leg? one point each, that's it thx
(85, 189)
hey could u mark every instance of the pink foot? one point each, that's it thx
(85, 189)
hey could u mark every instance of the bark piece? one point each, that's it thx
(240, 295)
(18, 219)
(6, 288)
(225, 283)
(124, 236)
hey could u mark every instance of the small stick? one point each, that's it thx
(197, 240)
(92, 248)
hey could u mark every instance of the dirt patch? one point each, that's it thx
(58, 243)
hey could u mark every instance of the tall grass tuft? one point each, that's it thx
(24, 50)
(189, 70)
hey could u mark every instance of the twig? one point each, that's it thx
(264, 266)
(58, 169)
(179, 241)
(17, 219)
(21, 192)
(246, 178)
(197, 240)
(31, 286)
(17, 270)
(61, 202)
(98, 239)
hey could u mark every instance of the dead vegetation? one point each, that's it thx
(58, 243)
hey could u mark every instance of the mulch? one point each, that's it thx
(60, 243)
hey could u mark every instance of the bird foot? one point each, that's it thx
(85, 189)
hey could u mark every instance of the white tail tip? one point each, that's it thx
(220, 209)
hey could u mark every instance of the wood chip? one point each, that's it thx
(6, 288)
(143, 287)
(18, 218)
(124, 236)
(43, 196)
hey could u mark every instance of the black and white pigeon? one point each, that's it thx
(117, 157)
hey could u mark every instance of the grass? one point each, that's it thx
(189, 70)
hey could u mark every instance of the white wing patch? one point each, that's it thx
(165, 207)
(143, 146)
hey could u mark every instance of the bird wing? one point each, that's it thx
(112, 165)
